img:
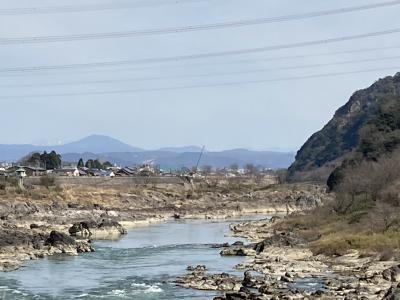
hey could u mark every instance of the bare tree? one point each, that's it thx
(367, 180)
(251, 170)
(352, 185)
(281, 175)
(385, 217)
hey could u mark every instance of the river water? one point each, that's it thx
(142, 265)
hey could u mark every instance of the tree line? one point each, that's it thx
(94, 164)
(47, 161)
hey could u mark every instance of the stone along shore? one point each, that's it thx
(280, 265)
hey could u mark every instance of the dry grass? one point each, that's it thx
(339, 243)
(333, 234)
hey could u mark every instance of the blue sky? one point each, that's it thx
(271, 115)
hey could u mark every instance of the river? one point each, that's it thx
(142, 265)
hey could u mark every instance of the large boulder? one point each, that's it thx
(58, 238)
(82, 228)
(248, 280)
(279, 239)
(112, 225)
(63, 243)
(393, 293)
(106, 229)
(392, 274)
(236, 296)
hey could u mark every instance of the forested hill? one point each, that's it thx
(368, 125)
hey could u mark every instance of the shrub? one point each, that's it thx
(47, 181)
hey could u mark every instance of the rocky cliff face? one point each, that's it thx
(367, 124)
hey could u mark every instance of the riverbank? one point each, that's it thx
(281, 265)
(28, 217)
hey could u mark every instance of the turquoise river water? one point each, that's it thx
(142, 265)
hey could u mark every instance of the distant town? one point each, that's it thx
(51, 164)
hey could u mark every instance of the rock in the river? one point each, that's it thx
(223, 245)
(238, 251)
(63, 243)
(58, 238)
(286, 279)
(82, 228)
(238, 243)
(105, 229)
(199, 268)
(198, 279)
(236, 296)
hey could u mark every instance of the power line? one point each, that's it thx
(160, 31)
(232, 83)
(254, 71)
(276, 58)
(90, 7)
(205, 55)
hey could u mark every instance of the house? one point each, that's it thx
(12, 170)
(29, 171)
(125, 172)
(69, 172)
(146, 170)
(34, 171)
(100, 173)
(94, 172)
(82, 172)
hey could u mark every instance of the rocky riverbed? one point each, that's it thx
(39, 222)
(280, 266)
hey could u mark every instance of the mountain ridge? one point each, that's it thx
(368, 125)
(108, 148)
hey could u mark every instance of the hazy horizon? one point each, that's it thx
(59, 143)
(278, 114)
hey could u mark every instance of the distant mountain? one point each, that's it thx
(115, 151)
(367, 126)
(93, 143)
(96, 144)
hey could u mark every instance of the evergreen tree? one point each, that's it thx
(81, 163)
(89, 164)
(48, 161)
(97, 164)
